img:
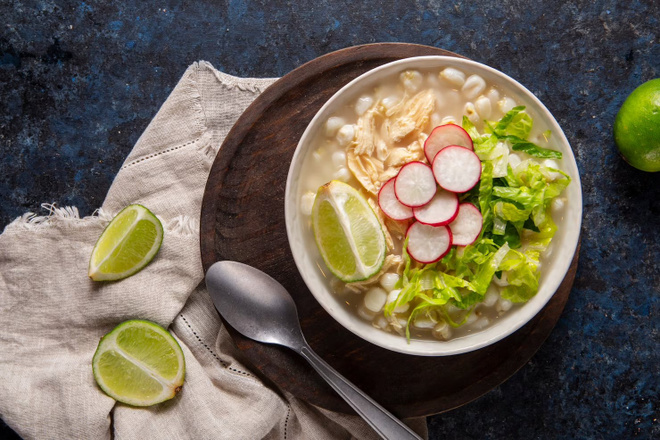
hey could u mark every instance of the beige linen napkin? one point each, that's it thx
(52, 315)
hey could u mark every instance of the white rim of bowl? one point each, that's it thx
(493, 333)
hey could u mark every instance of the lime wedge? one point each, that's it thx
(139, 363)
(127, 244)
(347, 232)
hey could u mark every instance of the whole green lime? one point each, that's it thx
(637, 127)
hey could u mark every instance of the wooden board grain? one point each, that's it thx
(242, 219)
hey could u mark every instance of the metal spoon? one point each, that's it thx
(260, 308)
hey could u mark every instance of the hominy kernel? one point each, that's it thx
(453, 76)
(473, 87)
(483, 106)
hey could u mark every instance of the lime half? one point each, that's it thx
(347, 232)
(127, 244)
(139, 363)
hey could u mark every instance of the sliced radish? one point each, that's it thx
(444, 136)
(415, 184)
(390, 205)
(427, 244)
(457, 169)
(467, 225)
(440, 211)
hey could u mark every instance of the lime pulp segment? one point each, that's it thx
(139, 363)
(347, 232)
(333, 240)
(128, 243)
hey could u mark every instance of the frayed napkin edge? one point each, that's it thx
(70, 216)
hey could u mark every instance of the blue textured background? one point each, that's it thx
(80, 81)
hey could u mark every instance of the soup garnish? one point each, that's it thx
(465, 210)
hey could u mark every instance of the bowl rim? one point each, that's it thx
(478, 339)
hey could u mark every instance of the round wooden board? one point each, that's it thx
(243, 220)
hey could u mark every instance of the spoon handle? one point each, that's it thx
(384, 423)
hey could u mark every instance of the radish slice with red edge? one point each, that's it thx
(444, 136)
(390, 205)
(440, 211)
(467, 225)
(457, 169)
(427, 244)
(415, 184)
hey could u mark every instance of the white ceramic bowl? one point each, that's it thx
(308, 259)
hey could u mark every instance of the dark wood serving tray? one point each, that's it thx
(243, 220)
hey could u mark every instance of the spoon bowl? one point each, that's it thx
(255, 304)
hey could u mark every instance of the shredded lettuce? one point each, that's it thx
(522, 275)
(514, 128)
(517, 228)
(515, 123)
(510, 235)
(518, 144)
(469, 127)
(485, 195)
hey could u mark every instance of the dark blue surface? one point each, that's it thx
(79, 82)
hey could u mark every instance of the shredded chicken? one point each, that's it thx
(393, 320)
(402, 155)
(422, 138)
(365, 134)
(395, 108)
(417, 150)
(382, 151)
(388, 174)
(365, 169)
(397, 228)
(372, 156)
(414, 115)
(398, 156)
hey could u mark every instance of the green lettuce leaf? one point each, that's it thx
(514, 127)
(520, 144)
(510, 212)
(469, 127)
(485, 195)
(519, 126)
(507, 120)
(511, 236)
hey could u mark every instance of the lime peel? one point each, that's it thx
(143, 369)
(637, 127)
(128, 244)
